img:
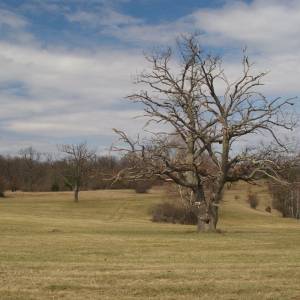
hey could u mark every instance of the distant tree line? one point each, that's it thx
(78, 169)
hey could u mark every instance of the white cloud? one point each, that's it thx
(269, 28)
(10, 19)
(270, 25)
(49, 73)
(144, 34)
(100, 122)
(63, 93)
(66, 94)
(102, 17)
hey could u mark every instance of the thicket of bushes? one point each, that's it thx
(286, 199)
(174, 212)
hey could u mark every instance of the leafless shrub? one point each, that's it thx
(253, 200)
(142, 187)
(174, 212)
(268, 209)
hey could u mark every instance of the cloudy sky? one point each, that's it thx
(67, 65)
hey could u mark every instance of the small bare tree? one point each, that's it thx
(79, 160)
(31, 169)
(208, 115)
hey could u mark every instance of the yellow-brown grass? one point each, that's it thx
(105, 247)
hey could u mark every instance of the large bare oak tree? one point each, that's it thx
(209, 117)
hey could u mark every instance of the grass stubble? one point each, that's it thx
(106, 247)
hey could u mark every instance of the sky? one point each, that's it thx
(67, 66)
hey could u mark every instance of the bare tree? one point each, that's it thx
(10, 170)
(31, 167)
(80, 160)
(189, 91)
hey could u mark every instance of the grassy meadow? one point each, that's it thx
(106, 247)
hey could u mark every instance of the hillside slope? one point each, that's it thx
(105, 247)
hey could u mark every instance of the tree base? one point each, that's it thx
(206, 227)
(207, 219)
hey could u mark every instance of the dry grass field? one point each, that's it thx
(105, 247)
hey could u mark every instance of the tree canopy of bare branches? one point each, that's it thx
(79, 158)
(210, 116)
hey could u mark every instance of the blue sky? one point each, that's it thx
(66, 66)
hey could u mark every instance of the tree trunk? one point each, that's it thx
(76, 194)
(208, 218)
(206, 212)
